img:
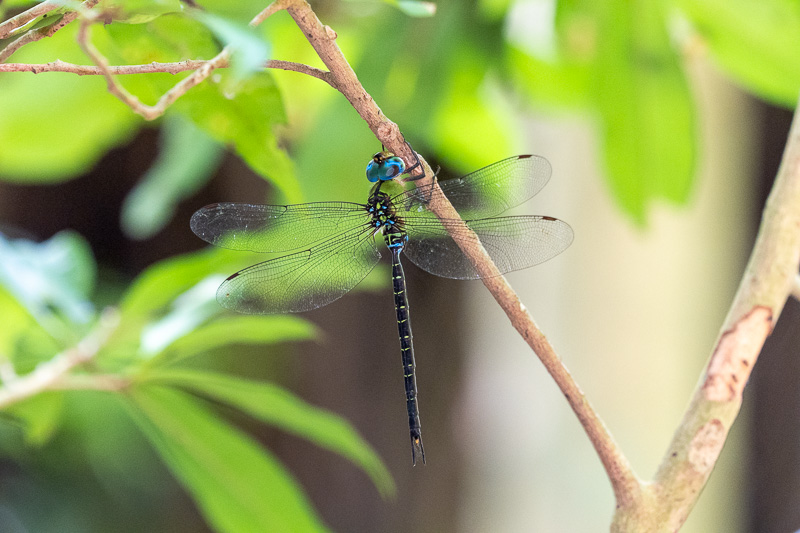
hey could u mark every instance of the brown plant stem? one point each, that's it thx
(758, 303)
(15, 23)
(34, 35)
(149, 68)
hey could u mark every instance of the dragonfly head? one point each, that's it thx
(384, 166)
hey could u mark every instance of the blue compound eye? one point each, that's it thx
(384, 166)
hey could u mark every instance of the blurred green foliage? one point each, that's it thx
(456, 77)
(168, 315)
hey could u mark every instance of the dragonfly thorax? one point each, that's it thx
(384, 218)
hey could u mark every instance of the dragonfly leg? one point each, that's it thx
(416, 165)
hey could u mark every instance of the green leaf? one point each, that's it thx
(141, 11)
(239, 329)
(236, 112)
(549, 83)
(45, 21)
(647, 107)
(646, 110)
(15, 320)
(157, 286)
(34, 345)
(189, 310)
(39, 140)
(40, 416)
(17, 3)
(186, 161)
(52, 279)
(238, 485)
(160, 306)
(756, 42)
(245, 117)
(249, 50)
(275, 405)
(168, 38)
(469, 107)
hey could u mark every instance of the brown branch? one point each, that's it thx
(15, 23)
(149, 68)
(52, 374)
(94, 70)
(625, 484)
(762, 293)
(35, 35)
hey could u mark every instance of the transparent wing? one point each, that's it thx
(303, 280)
(275, 228)
(513, 243)
(486, 192)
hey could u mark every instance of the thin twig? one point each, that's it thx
(93, 70)
(625, 484)
(34, 35)
(15, 23)
(180, 88)
(102, 382)
(49, 375)
(268, 11)
(302, 68)
(149, 68)
(763, 291)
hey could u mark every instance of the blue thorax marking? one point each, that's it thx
(384, 220)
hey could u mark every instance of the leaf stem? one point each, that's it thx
(54, 374)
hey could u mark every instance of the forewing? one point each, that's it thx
(275, 228)
(513, 243)
(303, 280)
(487, 192)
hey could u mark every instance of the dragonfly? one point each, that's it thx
(332, 246)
